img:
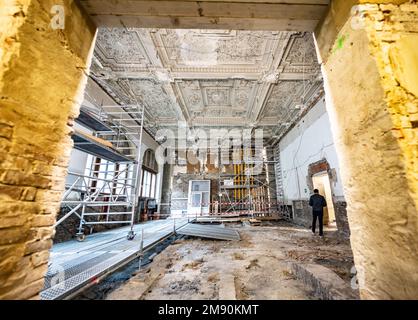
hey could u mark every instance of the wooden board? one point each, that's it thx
(295, 15)
(96, 139)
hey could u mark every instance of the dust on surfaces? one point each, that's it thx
(183, 285)
(238, 256)
(257, 267)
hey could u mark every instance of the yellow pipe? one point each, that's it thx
(239, 182)
(235, 182)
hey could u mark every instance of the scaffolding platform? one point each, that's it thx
(90, 146)
(89, 120)
(107, 192)
(76, 265)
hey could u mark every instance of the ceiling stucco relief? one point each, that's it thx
(217, 50)
(300, 56)
(281, 98)
(153, 95)
(207, 78)
(116, 91)
(217, 98)
(122, 49)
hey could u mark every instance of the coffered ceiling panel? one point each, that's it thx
(281, 99)
(217, 50)
(300, 55)
(120, 49)
(217, 98)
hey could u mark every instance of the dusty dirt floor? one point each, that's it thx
(257, 267)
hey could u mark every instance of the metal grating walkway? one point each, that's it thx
(74, 265)
(208, 231)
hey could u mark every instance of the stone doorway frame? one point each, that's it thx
(322, 166)
(375, 117)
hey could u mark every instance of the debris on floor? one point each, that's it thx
(255, 222)
(257, 267)
(208, 232)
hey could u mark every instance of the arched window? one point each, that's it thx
(149, 175)
(149, 162)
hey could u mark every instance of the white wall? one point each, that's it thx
(308, 142)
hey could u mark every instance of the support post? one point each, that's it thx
(43, 66)
(369, 60)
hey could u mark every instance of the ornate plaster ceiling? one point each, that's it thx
(209, 78)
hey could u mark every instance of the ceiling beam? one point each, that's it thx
(283, 15)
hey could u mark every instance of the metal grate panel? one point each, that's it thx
(211, 232)
(75, 265)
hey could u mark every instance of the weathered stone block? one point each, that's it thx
(28, 194)
(15, 177)
(375, 143)
(8, 193)
(30, 291)
(33, 129)
(42, 220)
(39, 258)
(11, 255)
(38, 246)
(12, 221)
(13, 235)
(40, 233)
(6, 130)
(37, 273)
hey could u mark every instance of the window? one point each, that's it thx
(149, 175)
(150, 162)
(149, 180)
(102, 170)
(153, 186)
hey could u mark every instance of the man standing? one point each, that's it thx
(318, 202)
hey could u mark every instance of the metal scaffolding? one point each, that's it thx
(248, 192)
(108, 191)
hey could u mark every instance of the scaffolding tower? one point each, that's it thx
(108, 192)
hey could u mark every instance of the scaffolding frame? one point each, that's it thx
(100, 199)
(251, 194)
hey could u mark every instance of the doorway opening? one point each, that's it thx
(322, 183)
(199, 195)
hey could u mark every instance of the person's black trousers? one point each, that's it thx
(318, 215)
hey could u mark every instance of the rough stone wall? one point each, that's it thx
(393, 38)
(42, 79)
(370, 79)
(302, 213)
(341, 218)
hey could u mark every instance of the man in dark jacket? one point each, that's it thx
(318, 202)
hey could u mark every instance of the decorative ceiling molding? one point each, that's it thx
(216, 51)
(207, 77)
